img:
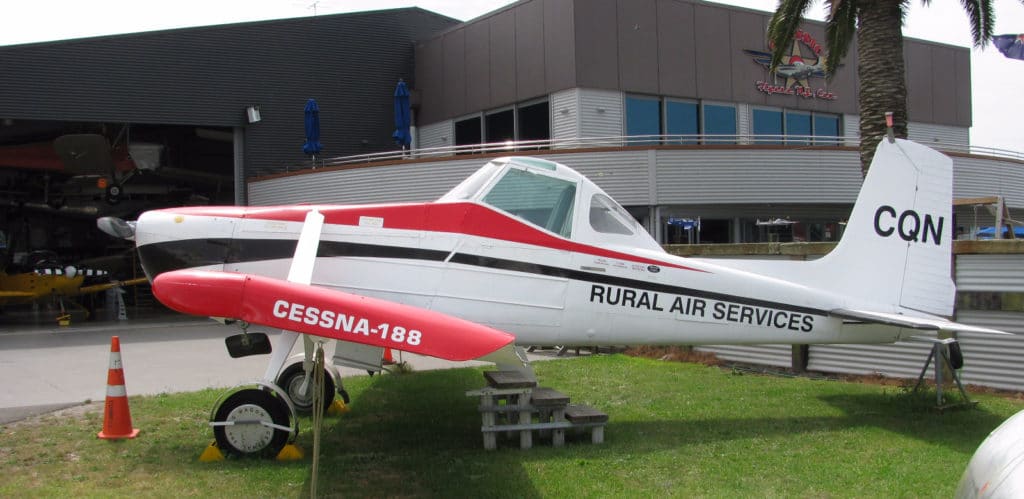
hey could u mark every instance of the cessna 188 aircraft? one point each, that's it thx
(528, 251)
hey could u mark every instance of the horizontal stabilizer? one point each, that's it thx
(910, 322)
(328, 313)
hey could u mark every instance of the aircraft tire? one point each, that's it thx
(291, 379)
(253, 440)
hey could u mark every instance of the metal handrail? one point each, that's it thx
(513, 147)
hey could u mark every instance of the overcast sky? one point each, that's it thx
(996, 81)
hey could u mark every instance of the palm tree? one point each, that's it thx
(880, 69)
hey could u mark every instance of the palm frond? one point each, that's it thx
(783, 25)
(980, 15)
(840, 30)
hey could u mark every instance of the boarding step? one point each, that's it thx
(512, 403)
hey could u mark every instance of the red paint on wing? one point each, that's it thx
(327, 313)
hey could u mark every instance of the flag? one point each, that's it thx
(1011, 46)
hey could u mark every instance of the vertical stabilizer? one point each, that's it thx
(896, 252)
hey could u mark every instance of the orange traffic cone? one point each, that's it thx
(117, 419)
(388, 359)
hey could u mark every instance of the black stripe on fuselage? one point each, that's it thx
(172, 255)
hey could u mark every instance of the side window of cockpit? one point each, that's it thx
(607, 217)
(542, 200)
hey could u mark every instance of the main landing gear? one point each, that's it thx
(255, 421)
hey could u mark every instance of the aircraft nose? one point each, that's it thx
(167, 240)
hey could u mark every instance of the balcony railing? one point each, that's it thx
(534, 146)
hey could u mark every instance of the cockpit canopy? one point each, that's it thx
(555, 198)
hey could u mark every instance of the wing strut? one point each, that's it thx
(301, 272)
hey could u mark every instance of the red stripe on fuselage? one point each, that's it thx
(470, 219)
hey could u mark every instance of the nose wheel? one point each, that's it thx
(252, 422)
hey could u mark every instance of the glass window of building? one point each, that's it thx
(500, 126)
(682, 122)
(767, 126)
(720, 120)
(468, 131)
(534, 121)
(798, 125)
(643, 117)
(826, 125)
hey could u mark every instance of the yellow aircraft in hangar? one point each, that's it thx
(52, 282)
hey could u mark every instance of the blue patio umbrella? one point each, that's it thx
(402, 115)
(312, 145)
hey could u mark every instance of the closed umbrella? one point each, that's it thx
(402, 115)
(312, 145)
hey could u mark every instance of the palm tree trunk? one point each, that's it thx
(880, 71)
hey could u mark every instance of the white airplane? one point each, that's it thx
(529, 252)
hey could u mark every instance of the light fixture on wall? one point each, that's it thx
(600, 110)
(252, 113)
(564, 110)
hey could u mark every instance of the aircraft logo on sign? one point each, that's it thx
(796, 68)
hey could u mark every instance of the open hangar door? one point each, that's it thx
(57, 178)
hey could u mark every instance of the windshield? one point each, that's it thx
(540, 199)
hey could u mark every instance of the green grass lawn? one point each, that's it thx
(675, 429)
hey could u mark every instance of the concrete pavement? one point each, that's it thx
(50, 367)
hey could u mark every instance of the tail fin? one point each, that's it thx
(897, 248)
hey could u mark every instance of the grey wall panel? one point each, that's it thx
(765, 355)
(898, 360)
(560, 48)
(962, 79)
(677, 76)
(938, 135)
(920, 97)
(454, 46)
(977, 177)
(637, 29)
(601, 113)
(503, 54)
(530, 48)
(749, 32)
(1003, 273)
(430, 82)
(478, 66)
(596, 44)
(623, 176)
(757, 175)
(414, 182)
(713, 51)
(437, 135)
(565, 114)
(944, 89)
(993, 360)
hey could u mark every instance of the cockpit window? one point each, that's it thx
(472, 185)
(606, 216)
(542, 200)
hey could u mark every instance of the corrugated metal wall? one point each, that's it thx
(746, 176)
(851, 128)
(437, 134)
(601, 113)
(565, 115)
(932, 134)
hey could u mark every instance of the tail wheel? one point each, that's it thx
(251, 411)
(291, 380)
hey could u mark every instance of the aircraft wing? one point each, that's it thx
(910, 322)
(16, 294)
(328, 313)
(96, 288)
